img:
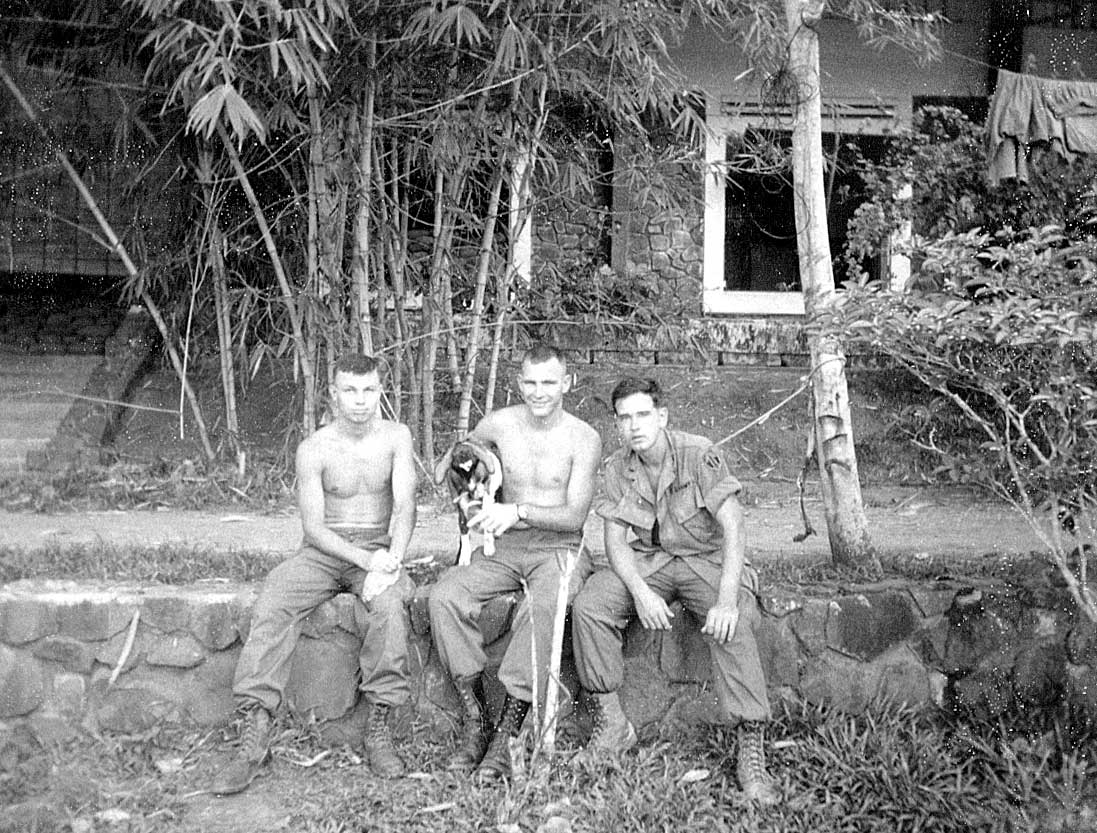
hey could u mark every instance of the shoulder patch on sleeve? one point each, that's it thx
(713, 459)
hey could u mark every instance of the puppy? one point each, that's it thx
(475, 476)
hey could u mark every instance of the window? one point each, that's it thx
(1069, 14)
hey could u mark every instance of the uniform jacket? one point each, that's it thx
(693, 484)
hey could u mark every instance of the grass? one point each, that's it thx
(889, 769)
(166, 563)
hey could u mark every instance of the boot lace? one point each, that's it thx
(253, 736)
(752, 756)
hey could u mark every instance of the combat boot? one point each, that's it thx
(613, 732)
(757, 785)
(252, 752)
(496, 764)
(380, 751)
(475, 728)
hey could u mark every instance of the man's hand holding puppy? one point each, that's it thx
(498, 518)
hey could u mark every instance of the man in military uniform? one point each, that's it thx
(673, 530)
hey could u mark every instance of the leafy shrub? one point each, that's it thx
(1006, 350)
(942, 157)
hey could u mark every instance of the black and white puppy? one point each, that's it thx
(475, 477)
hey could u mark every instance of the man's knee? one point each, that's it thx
(587, 607)
(446, 594)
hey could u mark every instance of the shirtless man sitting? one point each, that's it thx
(356, 493)
(549, 460)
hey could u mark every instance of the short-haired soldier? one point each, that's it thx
(356, 493)
(673, 530)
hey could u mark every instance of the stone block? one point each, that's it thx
(985, 693)
(324, 677)
(931, 641)
(779, 650)
(659, 243)
(864, 626)
(977, 630)
(71, 653)
(26, 619)
(839, 680)
(902, 677)
(660, 262)
(930, 601)
(175, 650)
(209, 701)
(110, 652)
(93, 620)
(680, 239)
(1039, 674)
(22, 683)
(69, 696)
(166, 613)
(135, 707)
(809, 624)
(214, 625)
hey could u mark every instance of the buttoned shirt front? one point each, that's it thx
(680, 508)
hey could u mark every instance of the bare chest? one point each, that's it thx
(348, 472)
(539, 461)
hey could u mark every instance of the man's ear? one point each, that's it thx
(664, 416)
(569, 380)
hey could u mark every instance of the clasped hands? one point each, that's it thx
(381, 560)
(655, 614)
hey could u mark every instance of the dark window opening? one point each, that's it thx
(760, 252)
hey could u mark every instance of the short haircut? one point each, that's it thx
(356, 364)
(632, 384)
(541, 352)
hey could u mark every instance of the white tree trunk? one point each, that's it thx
(847, 526)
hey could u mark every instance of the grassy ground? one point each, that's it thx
(155, 465)
(889, 769)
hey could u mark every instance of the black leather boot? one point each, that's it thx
(475, 727)
(496, 764)
(378, 745)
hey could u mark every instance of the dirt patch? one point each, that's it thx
(712, 401)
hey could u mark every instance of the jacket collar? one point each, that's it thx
(634, 468)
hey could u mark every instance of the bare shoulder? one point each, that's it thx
(312, 448)
(395, 434)
(498, 424)
(584, 434)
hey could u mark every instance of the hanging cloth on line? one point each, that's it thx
(1028, 112)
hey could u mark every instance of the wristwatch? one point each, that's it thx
(523, 511)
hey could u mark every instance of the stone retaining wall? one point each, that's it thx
(123, 656)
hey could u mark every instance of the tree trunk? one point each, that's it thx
(847, 526)
(363, 174)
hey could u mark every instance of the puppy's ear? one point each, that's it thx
(484, 453)
(442, 466)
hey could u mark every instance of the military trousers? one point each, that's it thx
(604, 607)
(532, 557)
(291, 592)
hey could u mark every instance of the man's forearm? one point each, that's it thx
(400, 529)
(561, 518)
(730, 577)
(334, 544)
(622, 561)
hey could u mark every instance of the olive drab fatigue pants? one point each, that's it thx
(530, 555)
(291, 592)
(604, 607)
